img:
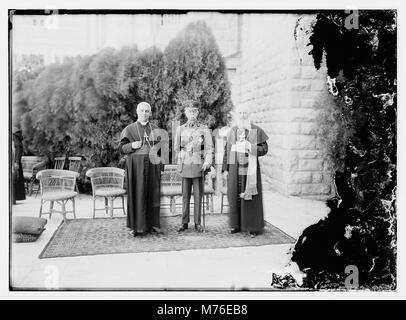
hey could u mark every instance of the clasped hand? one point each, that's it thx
(205, 166)
(136, 144)
(247, 146)
(243, 146)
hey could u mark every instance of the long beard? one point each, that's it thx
(244, 124)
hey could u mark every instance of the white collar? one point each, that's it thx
(143, 123)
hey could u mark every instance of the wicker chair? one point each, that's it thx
(59, 163)
(223, 191)
(57, 186)
(74, 165)
(171, 186)
(108, 183)
(31, 165)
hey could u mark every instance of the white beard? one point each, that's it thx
(244, 124)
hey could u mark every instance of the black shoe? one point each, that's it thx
(139, 234)
(253, 234)
(235, 230)
(183, 227)
(199, 228)
(155, 230)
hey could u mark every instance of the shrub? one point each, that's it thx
(361, 230)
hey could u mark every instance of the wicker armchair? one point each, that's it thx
(57, 186)
(108, 183)
(31, 165)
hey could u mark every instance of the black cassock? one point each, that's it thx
(246, 215)
(143, 176)
(18, 177)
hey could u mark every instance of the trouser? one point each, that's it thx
(198, 190)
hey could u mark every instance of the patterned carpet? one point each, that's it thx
(82, 237)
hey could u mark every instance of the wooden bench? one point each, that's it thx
(171, 186)
(31, 165)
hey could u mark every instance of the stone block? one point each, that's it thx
(296, 72)
(266, 169)
(279, 115)
(315, 189)
(277, 186)
(309, 154)
(317, 177)
(290, 162)
(308, 128)
(277, 174)
(311, 165)
(300, 142)
(293, 189)
(302, 115)
(328, 177)
(307, 103)
(300, 177)
(310, 72)
(301, 85)
(276, 140)
(291, 128)
(280, 86)
(319, 85)
(285, 128)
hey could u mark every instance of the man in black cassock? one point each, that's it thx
(245, 143)
(18, 175)
(143, 171)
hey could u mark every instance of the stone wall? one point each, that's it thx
(279, 83)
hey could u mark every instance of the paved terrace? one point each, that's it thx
(206, 269)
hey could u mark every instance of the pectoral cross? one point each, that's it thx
(146, 137)
(242, 136)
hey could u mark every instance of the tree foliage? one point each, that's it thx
(361, 229)
(202, 79)
(80, 107)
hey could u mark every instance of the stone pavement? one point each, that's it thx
(203, 269)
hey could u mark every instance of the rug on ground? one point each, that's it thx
(81, 237)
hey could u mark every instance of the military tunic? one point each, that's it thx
(193, 146)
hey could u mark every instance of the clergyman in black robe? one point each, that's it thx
(18, 176)
(142, 143)
(245, 143)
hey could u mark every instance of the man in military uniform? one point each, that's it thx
(194, 149)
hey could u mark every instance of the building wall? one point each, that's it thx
(285, 93)
(57, 36)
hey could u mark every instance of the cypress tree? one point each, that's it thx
(196, 75)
